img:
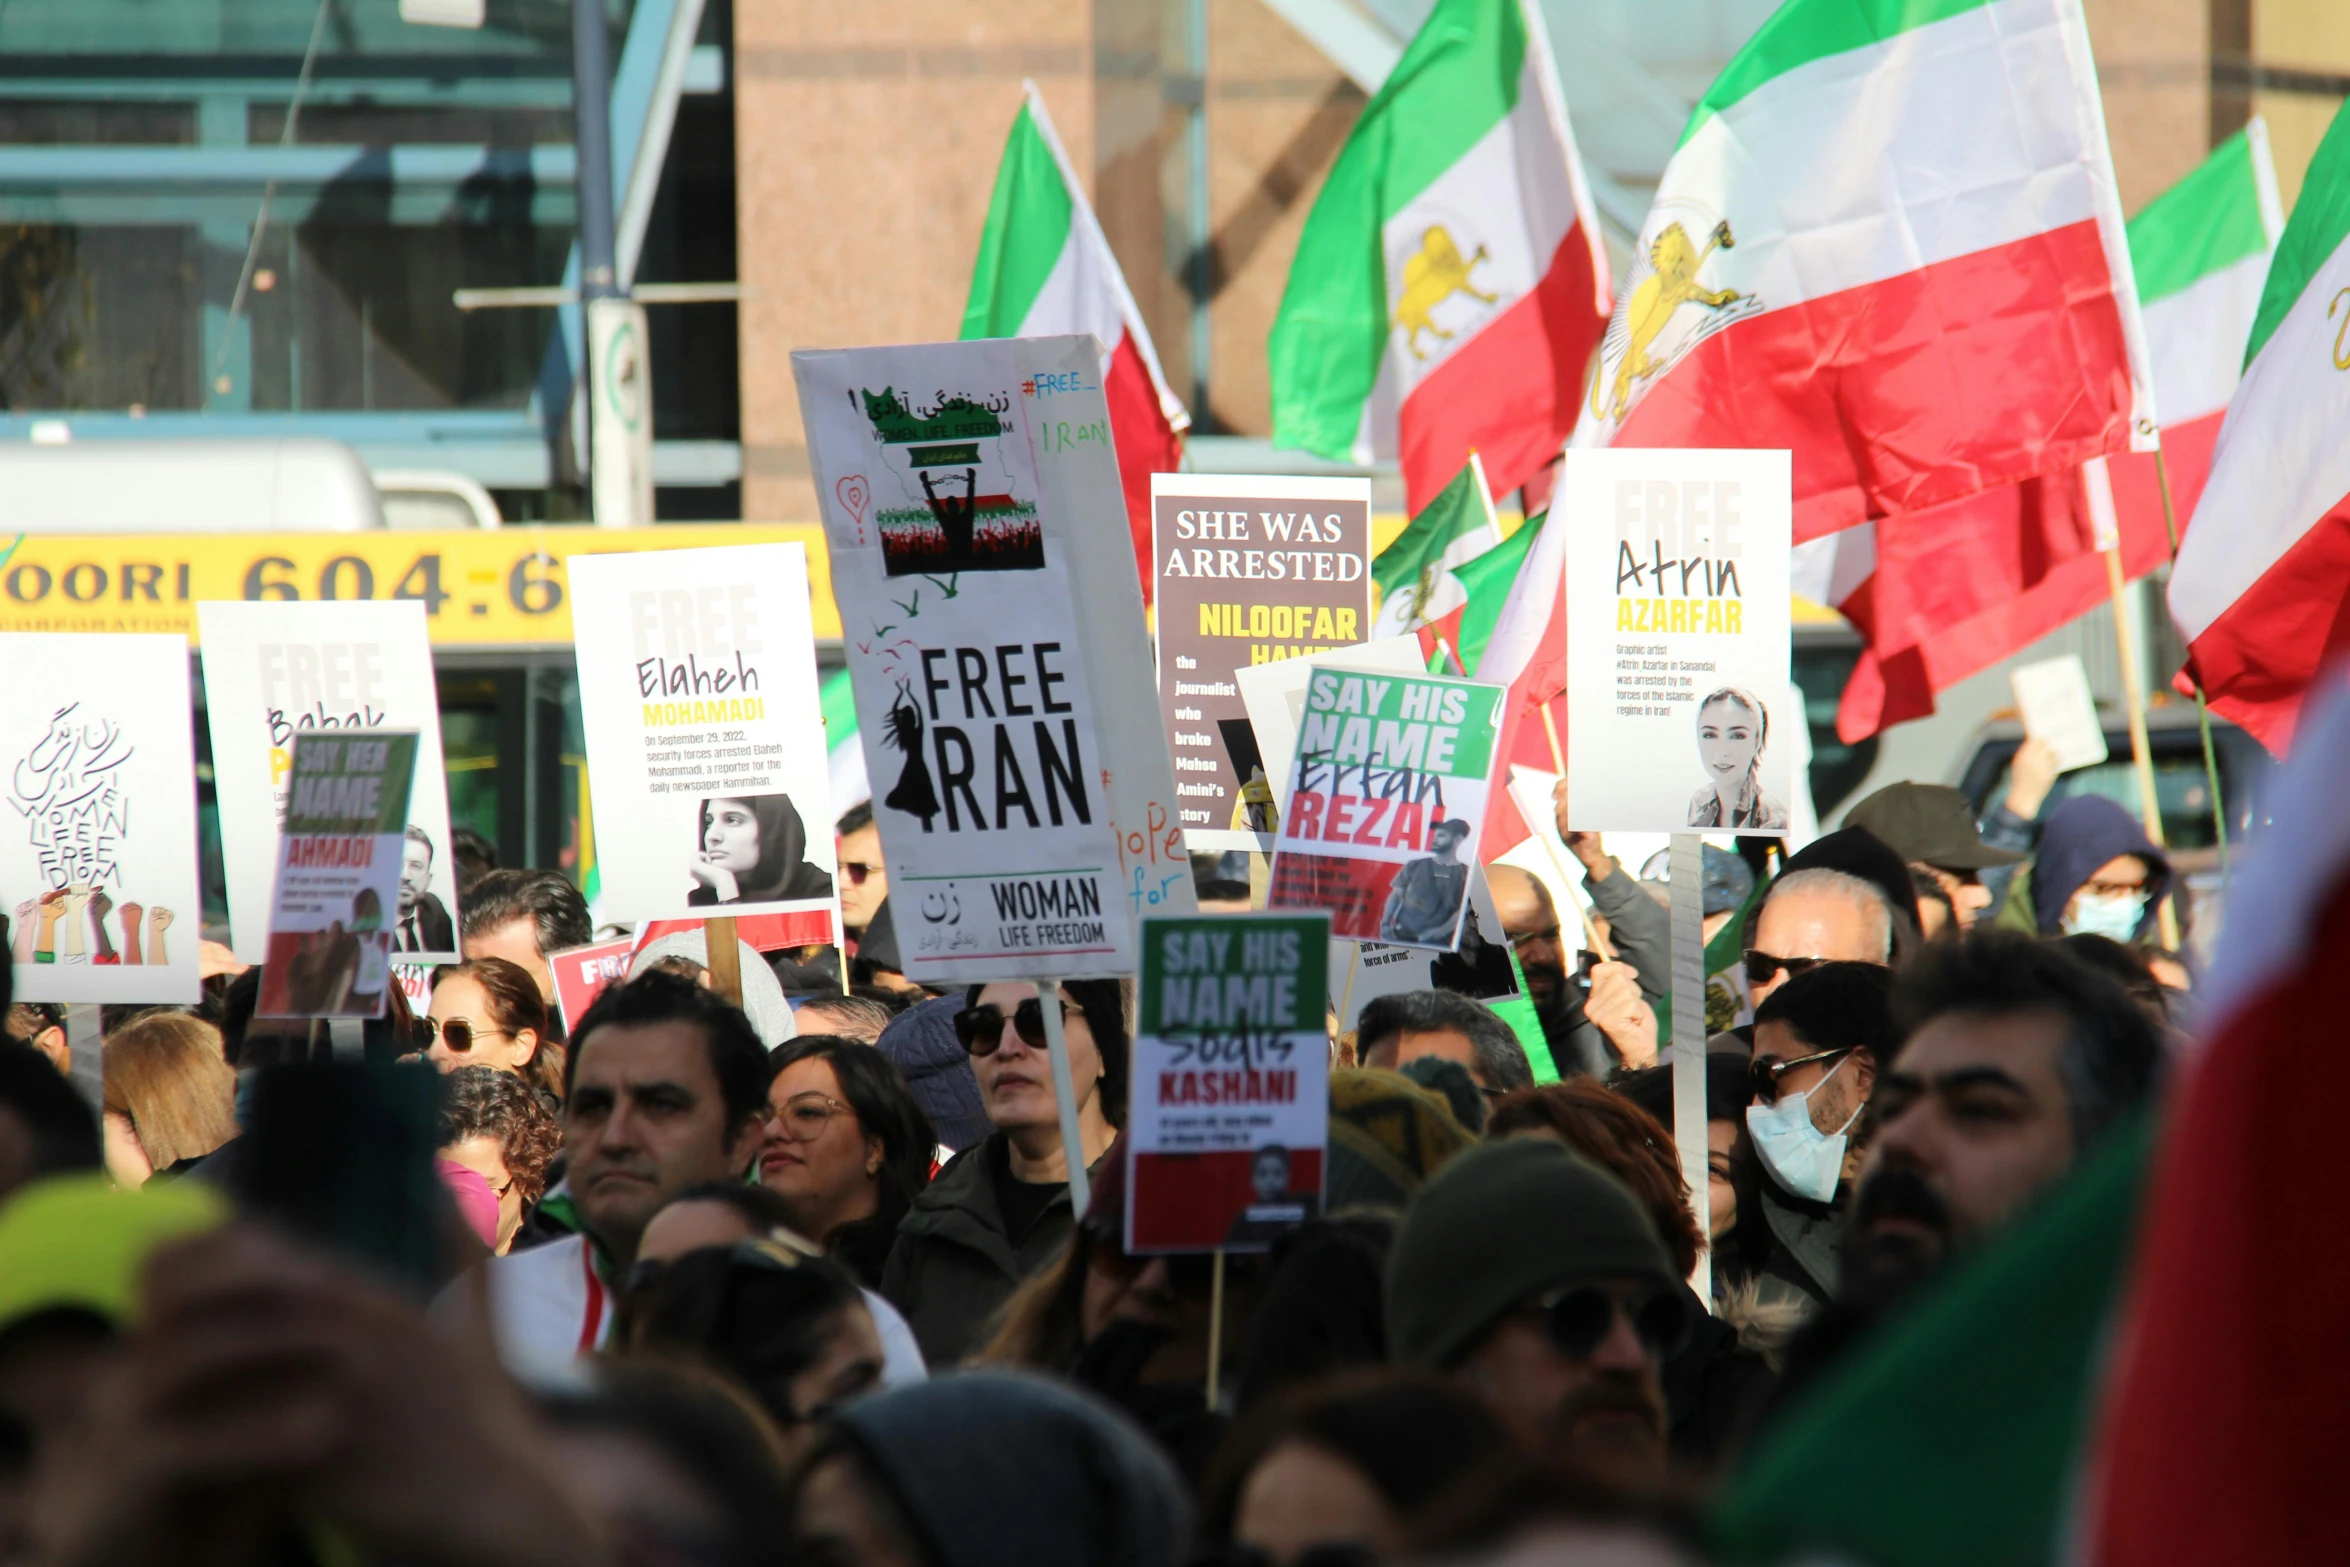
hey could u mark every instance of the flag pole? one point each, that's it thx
(2219, 807)
(2141, 751)
(1558, 760)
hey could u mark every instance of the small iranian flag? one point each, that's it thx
(2263, 577)
(844, 758)
(1415, 571)
(1450, 282)
(1889, 242)
(1045, 269)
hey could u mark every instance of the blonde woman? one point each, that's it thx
(169, 1095)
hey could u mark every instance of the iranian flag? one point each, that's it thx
(1943, 593)
(2263, 580)
(1415, 573)
(1044, 270)
(1450, 282)
(1889, 242)
(1526, 650)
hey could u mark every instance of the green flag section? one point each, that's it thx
(1952, 1437)
(1485, 584)
(1451, 265)
(1415, 572)
(2265, 566)
(1840, 262)
(844, 757)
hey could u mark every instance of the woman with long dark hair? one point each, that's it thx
(848, 1150)
(753, 849)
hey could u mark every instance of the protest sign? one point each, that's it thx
(994, 633)
(1231, 1102)
(273, 670)
(1275, 696)
(1250, 570)
(338, 874)
(581, 973)
(697, 690)
(1680, 712)
(1386, 797)
(1363, 971)
(2055, 703)
(100, 840)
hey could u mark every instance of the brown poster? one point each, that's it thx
(1251, 569)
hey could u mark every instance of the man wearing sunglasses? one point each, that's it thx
(1816, 916)
(1535, 1279)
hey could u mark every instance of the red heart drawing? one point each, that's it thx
(853, 494)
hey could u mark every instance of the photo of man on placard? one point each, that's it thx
(1424, 903)
(424, 925)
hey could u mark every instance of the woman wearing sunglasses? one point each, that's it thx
(999, 1211)
(487, 1012)
(847, 1148)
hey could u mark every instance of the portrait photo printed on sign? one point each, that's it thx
(275, 669)
(697, 679)
(98, 837)
(1250, 570)
(1388, 791)
(948, 513)
(1681, 712)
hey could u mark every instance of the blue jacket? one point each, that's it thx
(2077, 835)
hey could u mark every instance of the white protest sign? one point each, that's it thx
(994, 632)
(697, 689)
(98, 843)
(1275, 696)
(273, 670)
(2057, 707)
(1680, 710)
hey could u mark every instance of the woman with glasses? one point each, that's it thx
(487, 1012)
(847, 1148)
(999, 1210)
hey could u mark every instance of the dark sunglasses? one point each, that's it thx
(856, 873)
(1762, 966)
(456, 1033)
(1767, 1070)
(1580, 1319)
(981, 1029)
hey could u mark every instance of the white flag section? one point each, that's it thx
(994, 631)
(697, 688)
(1679, 705)
(272, 670)
(99, 846)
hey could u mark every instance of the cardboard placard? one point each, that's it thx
(99, 845)
(274, 670)
(1680, 710)
(582, 973)
(1363, 971)
(338, 874)
(697, 690)
(1250, 570)
(1387, 795)
(2054, 700)
(1231, 1107)
(994, 635)
(1275, 695)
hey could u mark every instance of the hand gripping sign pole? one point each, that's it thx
(1056, 1043)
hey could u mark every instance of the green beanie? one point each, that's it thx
(1501, 1223)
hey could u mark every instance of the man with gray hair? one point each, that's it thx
(1415, 1023)
(1816, 916)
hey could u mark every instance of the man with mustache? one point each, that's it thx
(1533, 1278)
(665, 1089)
(2015, 1059)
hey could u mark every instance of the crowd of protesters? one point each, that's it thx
(800, 1279)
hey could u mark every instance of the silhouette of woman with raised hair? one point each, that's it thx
(915, 794)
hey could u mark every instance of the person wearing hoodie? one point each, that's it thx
(1000, 1209)
(2097, 873)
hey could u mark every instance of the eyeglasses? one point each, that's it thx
(1761, 966)
(456, 1033)
(1580, 1319)
(803, 1117)
(981, 1029)
(1767, 1070)
(857, 873)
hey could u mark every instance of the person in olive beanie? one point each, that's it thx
(1535, 1278)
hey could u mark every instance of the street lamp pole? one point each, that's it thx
(619, 380)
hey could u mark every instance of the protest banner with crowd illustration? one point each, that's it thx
(995, 643)
(1387, 793)
(697, 680)
(275, 670)
(338, 874)
(1231, 1082)
(98, 841)
(1680, 710)
(1249, 570)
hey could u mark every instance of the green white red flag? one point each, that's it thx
(1045, 269)
(2264, 573)
(1415, 573)
(1943, 593)
(1451, 281)
(1890, 242)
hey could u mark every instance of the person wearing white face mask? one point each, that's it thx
(1818, 1041)
(2097, 873)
